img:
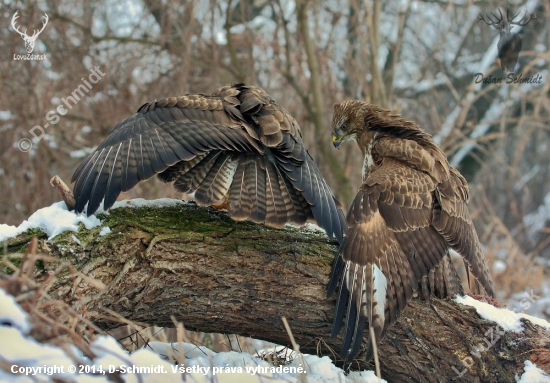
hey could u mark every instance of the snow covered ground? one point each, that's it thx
(25, 360)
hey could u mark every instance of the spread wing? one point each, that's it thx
(236, 146)
(391, 248)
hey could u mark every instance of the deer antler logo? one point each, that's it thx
(29, 40)
(509, 43)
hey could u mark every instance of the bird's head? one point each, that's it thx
(348, 121)
(362, 122)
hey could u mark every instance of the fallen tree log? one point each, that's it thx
(213, 274)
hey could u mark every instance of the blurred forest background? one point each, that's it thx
(418, 57)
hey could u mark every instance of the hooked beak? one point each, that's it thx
(336, 141)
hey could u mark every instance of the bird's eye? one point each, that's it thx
(344, 127)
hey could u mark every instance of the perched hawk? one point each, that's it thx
(235, 147)
(409, 211)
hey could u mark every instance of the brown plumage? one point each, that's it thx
(234, 147)
(410, 210)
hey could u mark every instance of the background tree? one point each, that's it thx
(417, 57)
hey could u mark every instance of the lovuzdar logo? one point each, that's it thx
(29, 40)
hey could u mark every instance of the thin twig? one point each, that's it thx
(64, 191)
(375, 350)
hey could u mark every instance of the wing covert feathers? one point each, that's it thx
(399, 230)
(235, 146)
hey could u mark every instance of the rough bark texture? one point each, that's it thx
(216, 275)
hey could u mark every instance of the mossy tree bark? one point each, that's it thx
(216, 275)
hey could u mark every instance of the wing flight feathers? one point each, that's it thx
(235, 146)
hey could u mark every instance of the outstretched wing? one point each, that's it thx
(234, 146)
(390, 249)
(158, 136)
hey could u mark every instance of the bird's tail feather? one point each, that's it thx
(261, 193)
(442, 281)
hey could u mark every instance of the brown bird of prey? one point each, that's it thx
(235, 147)
(410, 210)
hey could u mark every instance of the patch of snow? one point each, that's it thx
(81, 153)
(499, 266)
(11, 314)
(536, 220)
(104, 231)
(540, 47)
(279, 352)
(307, 227)
(53, 219)
(526, 178)
(6, 115)
(412, 87)
(490, 117)
(207, 366)
(20, 352)
(167, 350)
(536, 321)
(533, 374)
(508, 320)
(50, 139)
(221, 38)
(140, 202)
(314, 228)
(110, 353)
(76, 239)
(7, 231)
